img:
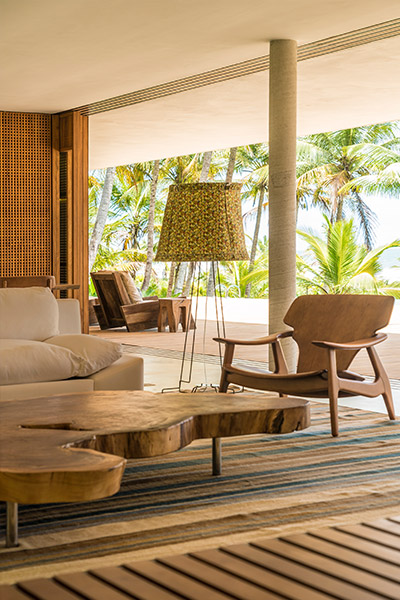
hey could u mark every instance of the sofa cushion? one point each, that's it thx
(28, 361)
(28, 313)
(95, 352)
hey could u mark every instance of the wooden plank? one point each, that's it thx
(300, 573)
(350, 557)
(325, 564)
(369, 533)
(362, 546)
(55, 196)
(261, 576)
(176, 582)
(351, 580)
(8, 592)
(227, 583)
(386, 525)
(90, 587)
(47, 589)
(126, 581)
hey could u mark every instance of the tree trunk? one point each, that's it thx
(101, 217)
(189, 277)
(334, 201)
(206, 166)
(150, 226)
(231, 165)
(339, 212)
(180, 278)
(171, 280)
(255, 238)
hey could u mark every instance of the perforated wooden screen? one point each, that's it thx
(25, 194)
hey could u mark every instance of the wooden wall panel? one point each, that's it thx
(30, 146)
(25, 194)
(70, 139)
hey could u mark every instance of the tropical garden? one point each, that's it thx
(337, 175)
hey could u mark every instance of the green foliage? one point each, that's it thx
(338, 265)
(335, 170)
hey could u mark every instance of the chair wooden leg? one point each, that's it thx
(228, 357)
(380, 373)
(388, 400)
(333, 391)
(223, 384)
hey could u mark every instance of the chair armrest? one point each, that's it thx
(147, 298)
(269, 339)
(141, 306)
(356, 345)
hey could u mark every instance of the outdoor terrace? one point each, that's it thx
(245, 318)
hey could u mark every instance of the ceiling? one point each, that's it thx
(60, 54)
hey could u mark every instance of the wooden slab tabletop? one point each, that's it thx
(73, 447)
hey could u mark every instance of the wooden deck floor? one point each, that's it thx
(389, 351)
(353, 562)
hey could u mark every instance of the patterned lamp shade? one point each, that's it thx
(202, 222)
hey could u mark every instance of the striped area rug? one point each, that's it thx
(270, 485)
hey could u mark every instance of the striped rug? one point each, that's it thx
(270, 485)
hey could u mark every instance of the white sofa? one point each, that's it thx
(63, 317)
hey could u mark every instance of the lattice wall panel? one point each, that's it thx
(25, 194)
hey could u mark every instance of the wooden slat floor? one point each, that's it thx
(353, 562)
(389, 351)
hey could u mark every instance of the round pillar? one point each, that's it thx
(282, 186)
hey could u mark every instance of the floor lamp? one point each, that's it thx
(202, 223)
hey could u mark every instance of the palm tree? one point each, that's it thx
(101, 216)
(329, 162)
(254, 159)
(339, 265)
(258, 276)
(383, 163)
(150, 226)
(128, 217)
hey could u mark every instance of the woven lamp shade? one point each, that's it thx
(202, 222)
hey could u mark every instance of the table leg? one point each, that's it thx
(162, 318)
(12, 525)
(216, 456)
(173, 309)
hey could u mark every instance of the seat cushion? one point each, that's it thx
(131, 289)
(29, 361)
(28, 313)
(95, 352)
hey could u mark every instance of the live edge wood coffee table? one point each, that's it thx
(73, 448)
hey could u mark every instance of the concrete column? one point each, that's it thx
(282, 186)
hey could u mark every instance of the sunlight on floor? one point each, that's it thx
(164, 373)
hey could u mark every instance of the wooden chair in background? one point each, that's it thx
(116, 309)
(28, 281)
(329, 331)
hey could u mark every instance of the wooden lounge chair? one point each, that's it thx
(120, 303)
(329, 331)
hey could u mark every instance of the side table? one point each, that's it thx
(174, 311)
